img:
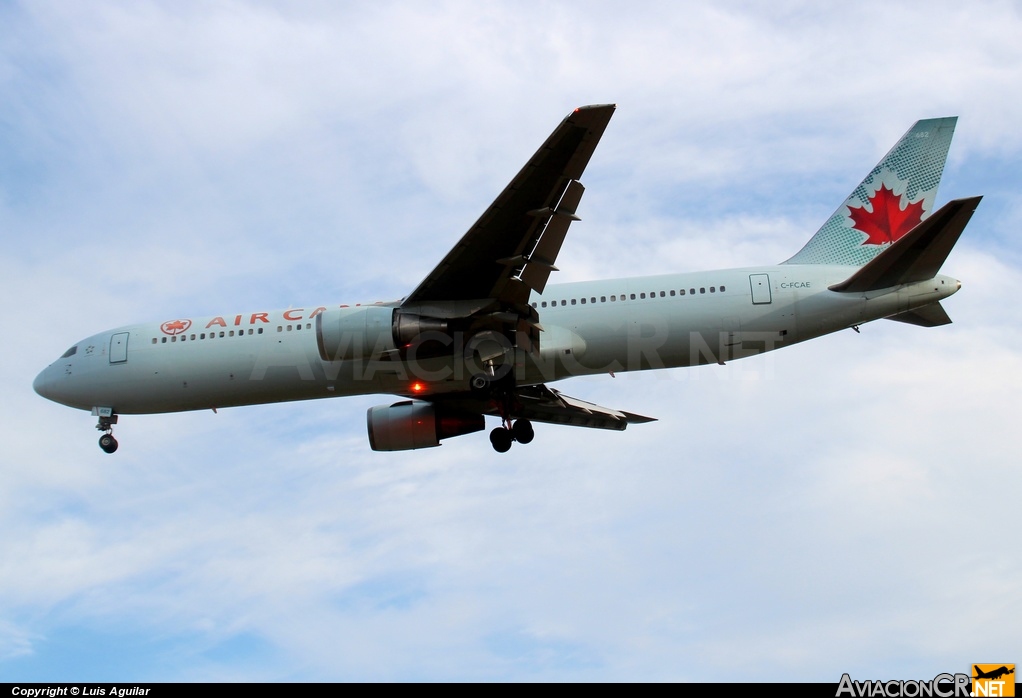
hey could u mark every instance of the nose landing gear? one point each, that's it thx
(108, 443)
(107, 420)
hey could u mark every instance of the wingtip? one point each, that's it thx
(633, 418)
(593, 115)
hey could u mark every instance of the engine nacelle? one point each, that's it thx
(407, 425)
(372, 332)
(414, 329)
(355, 333)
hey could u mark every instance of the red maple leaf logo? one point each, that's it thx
(175, 326)
(887, 222)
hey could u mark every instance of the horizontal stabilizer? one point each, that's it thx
(918, 255)
(932, 315)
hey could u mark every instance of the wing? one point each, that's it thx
(542, 404)
(512, 247)
(509, 252)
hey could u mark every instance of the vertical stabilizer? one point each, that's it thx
(893, 198)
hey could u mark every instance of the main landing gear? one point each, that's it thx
(501, 390)
(521, 431)
(107, 442)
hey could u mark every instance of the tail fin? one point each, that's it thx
(893, 199)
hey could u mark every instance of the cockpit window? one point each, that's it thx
(70, 352)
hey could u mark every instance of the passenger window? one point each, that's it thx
(231, 333)
(534, 305)
(713, 289)
(259, 331)
(154, 342)
(279, 328)
(613, 299)
(662, 294)
(633, 296)
(544, 304)
(573, 301)
(174, 338)
(583, 301)
(603, 299)
(221, 333)
(164, 340)
(672, 292)
(642, 295)
(722, 289)
(564, 302)
(289, 328)
(692, 291)
(593, 299)
(702, 290)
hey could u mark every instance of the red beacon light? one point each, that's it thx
(418, 387)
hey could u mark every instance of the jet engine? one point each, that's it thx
(372, 332)
(407, 425)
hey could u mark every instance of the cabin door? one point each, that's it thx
(760, 288)
(119, 348)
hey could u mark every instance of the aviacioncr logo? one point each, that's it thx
(173, 327)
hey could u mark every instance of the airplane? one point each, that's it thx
(993, 674)
(483, 334)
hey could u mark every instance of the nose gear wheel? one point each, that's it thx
(107, 442)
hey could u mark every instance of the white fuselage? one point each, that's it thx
(588, 328)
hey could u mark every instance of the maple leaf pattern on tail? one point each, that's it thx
(887, 222)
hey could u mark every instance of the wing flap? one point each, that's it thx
(540, 262)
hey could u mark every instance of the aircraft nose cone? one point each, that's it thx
(959, 284)
(42, 384)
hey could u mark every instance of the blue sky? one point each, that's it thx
(843, 505)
